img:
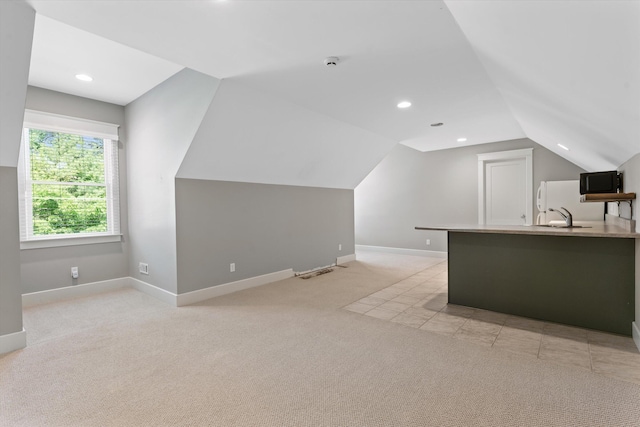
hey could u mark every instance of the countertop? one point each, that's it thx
(597, 229)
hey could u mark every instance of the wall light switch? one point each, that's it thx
(232, 267)
(340, 247)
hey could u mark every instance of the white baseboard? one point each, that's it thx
(174, 300)
(69, 292)
(227, 288)
(14, 341)
(154, 291)
(345, 259)
(402, 251)
(635, 331)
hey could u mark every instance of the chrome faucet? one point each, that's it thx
(568, 218)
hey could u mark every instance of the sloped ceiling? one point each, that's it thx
(249, 136)
(389, 50)
(555, 71)
(568, 70)
(120, 73)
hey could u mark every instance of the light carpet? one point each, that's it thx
(284, 354)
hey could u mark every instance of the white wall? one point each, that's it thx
(631, 184)
(410, 188)
(250, 136)
(160, 127)
(16, 33)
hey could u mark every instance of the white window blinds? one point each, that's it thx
(68, 178)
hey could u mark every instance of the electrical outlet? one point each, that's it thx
(428, 242)
(340, 247)
(232, 267)
(74, 272)
(143, 268)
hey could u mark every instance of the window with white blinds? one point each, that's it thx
(68, 180)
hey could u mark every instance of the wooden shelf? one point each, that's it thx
(608, 197)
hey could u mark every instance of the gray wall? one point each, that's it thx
(49, 268)
(262, 228)
(410, 188)
(10, 295)
(75, 106)
(16, 33)
(160, 127)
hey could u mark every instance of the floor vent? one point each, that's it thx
(318, 272)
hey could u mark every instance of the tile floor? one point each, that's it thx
(420, 301)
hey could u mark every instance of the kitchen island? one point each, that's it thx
(576, 276)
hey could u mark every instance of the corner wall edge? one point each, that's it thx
(13, 341)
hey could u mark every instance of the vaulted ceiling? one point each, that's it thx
(561, 72)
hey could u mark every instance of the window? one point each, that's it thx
(68, 178)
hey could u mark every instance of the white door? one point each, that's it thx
(505, 193)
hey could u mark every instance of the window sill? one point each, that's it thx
(69, 241)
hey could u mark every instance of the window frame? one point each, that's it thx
(64, 124)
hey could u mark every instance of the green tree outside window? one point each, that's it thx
(68, 188)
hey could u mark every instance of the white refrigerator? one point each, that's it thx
(557, 194)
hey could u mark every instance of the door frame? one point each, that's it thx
(525, 154)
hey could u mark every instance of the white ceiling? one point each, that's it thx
(284, 144)
(120, 73)
(568, 70)
(557, 72)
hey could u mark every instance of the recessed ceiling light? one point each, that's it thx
(436, 124)
(563, 147)
(404, 104)
(84, 77)
(462, 139)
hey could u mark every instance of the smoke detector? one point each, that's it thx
(331, 61)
